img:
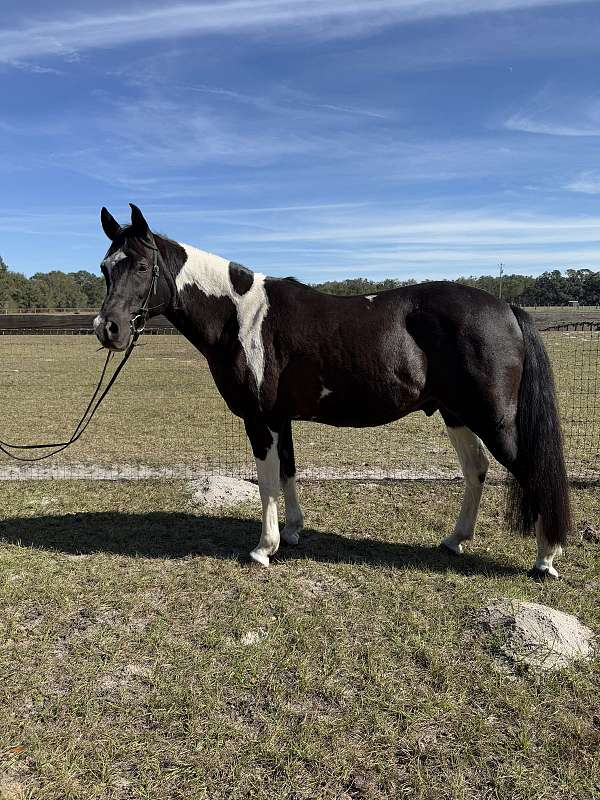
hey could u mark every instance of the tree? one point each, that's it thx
(63, 289)
(39, 295)
(513, 286)
(549, 289)
(13, 290)
(591, 289)
(352, 286)
(93, 286)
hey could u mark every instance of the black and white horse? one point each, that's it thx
(280, 351)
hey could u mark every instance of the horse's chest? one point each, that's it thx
(235, 384)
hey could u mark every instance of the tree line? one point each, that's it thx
(548, 289)
(55, 289)
(82, 289)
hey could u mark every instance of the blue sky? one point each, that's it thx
(404, 138)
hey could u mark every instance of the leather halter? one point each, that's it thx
(137, 323)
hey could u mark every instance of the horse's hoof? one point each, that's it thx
(452, 546)
(259, 558)
(290, 537)
(548, 573)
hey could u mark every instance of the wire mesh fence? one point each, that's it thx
(165, 418)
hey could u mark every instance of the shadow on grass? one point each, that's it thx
(180, 535)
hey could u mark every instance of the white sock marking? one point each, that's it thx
(293, 513)
(474, 463)
(210, 274)
(268, 485)
(545, 553)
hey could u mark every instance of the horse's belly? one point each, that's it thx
(357, 392)
(359, 407)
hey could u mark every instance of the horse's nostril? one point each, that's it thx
(112, 329)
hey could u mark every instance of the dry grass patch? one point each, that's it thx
(143, 657)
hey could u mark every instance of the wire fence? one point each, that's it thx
(165, 418)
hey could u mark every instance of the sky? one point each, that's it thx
(325, 140)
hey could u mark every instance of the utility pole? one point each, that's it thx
(501, 265)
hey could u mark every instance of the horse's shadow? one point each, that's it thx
(180, 535)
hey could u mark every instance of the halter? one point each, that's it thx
(137, 325)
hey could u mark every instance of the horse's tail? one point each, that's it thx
(541, 485)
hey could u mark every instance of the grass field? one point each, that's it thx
(142, 657)
(165, 413)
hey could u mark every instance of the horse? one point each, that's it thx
(280, 350)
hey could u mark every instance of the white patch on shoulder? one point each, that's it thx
(324, 392)
(370, 297)
(210, 274)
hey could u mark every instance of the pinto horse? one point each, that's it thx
(280, 351)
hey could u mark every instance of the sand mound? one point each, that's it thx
(534, 635)
(217, 491)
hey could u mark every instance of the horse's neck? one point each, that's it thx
(204, 315)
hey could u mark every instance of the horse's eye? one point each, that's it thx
(142, 266)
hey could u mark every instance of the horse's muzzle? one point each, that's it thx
(111, 333)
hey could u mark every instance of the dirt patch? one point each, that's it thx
(588, 532)
(218, 491)
(534, 635)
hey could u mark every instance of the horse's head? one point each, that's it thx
(131, 268)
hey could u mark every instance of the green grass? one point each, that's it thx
(165, 411)
(124, 672)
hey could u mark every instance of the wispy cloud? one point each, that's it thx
(284, 100)
(442, 229)
(332, 239)
(585, 183)
(370, 241)
(526, 124)
(451, 263)
(68, 36)
(32, 68)
(512, 41)
(558, 113)
(121, 148)
(346, 110)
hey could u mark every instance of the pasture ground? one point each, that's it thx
(143, 657)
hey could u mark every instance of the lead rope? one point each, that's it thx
(137, 325)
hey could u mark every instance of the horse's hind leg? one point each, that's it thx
(546, 553)
(293, 513)
(474, 464)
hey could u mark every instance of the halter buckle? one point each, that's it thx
(137, 324)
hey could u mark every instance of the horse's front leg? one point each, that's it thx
(293, 513)
(264, 446)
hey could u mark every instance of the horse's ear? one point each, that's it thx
(110, 226)
(138, 223)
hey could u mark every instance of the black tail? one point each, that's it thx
(541, 486)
